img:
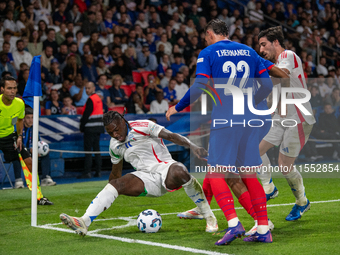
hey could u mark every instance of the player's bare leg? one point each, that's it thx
(178, 176)
(295, 182)
(129, 185)
(265, 174)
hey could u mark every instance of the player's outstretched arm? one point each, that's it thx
(171, 111)
(116, 171)
(282, 74)
(183, 141)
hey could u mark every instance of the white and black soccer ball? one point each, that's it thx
(149, 221)
(43, 148)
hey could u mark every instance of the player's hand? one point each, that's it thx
(172, 110)
(200, 152)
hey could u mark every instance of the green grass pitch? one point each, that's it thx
(317, 232)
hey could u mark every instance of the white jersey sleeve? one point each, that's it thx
(115, 152)
(286, 60)
(147, 127)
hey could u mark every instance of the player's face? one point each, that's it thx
(10, 90)
(267, 49)
(117, 130)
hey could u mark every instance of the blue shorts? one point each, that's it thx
(234, 147)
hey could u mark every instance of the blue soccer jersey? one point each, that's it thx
(232, 67)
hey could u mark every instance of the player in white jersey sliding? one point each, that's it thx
(290, 139)
(140, 143)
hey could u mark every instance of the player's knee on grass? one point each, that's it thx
(129, 185)
(177, 176)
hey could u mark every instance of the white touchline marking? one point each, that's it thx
(131, 222)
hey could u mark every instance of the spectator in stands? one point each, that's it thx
(6, 49)
(123, 69)
(165, 80)
(60, 15)
(54, 106)
(73, 49)
(62, 56)
(88, 70)
(334, 98)
(2, 9)
(77, 91)
(92, 126)
(117, 94)
(74, 15)
(329, 128)
(141, 21)
(21, 56)
(101, 28)
(50, 41)
(41, 14)
(109, 22)
(323, 88)
(170, 92)
(55, 73)
(151, 43)
(71, 70)
(10, 26)
(95, 45)
(159, 105)
(185, 70)
(167, 45)
(69, 38)
(146, 60)
(321, 68)
(102, 68)
(89, 25)
(23, 81)
(331, 74)
(23, 24)
(177, 64)
(131, 57)
(82, 5)
(181, 88)
(105, 94)
(64, 91)
(60, 36)
(164, 64)
(135, 40)
(42, 30)
(136, 105)
(151, 90)
(27, 135)
(46, 57)
(316, 99)
(106, 56)
(34, 46)
(5, 66)
(68, 108)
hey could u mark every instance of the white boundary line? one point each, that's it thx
(131, 221)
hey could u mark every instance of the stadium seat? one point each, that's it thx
(147, 106)
(145, 77)
(126, 89)
(80, 110)
(137, 77)
(187, 109)
(42, 111)
(132, 87)
(107, 86)
(117, 108)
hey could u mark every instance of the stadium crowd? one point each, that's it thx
(141, 54)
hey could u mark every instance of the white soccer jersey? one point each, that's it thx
(142, 148)
(290, 61)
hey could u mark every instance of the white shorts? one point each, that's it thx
(291, 139)
(154, 180)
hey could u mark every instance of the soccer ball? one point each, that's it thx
(149, 221)
(43, 148)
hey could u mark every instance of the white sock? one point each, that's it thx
(295, 182)
(102, 202)
(262, 229)
(265, 175)
(233, 222)
(194, 190)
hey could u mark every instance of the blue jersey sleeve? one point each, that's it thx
(203, 64)
(263, 78)
(266, 63)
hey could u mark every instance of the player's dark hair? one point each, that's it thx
(4, 79)
(111, 116)
(5, 73)
(272, 34)
(218, 26)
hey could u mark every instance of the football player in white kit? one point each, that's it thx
(140, 143)
(290, 139)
